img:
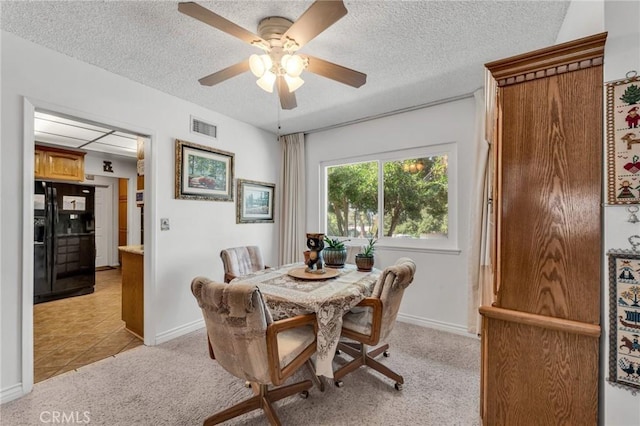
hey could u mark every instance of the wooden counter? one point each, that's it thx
(133, 288)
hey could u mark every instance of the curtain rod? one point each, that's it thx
(390, 113)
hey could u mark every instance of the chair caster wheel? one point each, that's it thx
(339, 383)
(398, 386)
(386, 354)
(247, 384)
(304, 394)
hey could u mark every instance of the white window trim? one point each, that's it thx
(440, 245)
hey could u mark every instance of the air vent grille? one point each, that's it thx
(203, 128)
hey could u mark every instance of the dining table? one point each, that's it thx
(289, 291)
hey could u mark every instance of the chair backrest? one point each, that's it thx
(240, 261)
(236, 319)
(390, 289)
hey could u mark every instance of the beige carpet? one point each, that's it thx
(177, 384)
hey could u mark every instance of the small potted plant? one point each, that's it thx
(334, 253)
(364, 260)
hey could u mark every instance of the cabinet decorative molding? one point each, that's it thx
(540, 337)
(58, 164)
(572, 56)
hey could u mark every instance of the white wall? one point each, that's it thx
(199, 229)
(622, 54)
(438, 296)
(621, 19)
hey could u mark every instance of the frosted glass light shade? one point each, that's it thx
(259, 64)
(266, 81)
(293, 83)
(293, 65)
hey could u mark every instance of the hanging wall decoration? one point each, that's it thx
(203, 173)
(623, 140)
(624, 317)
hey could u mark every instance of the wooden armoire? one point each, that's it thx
(540, 336)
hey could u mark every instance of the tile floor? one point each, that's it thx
(77, 331)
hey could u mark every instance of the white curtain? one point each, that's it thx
(292, 200)
(480, 268)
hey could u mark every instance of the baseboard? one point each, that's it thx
(438, 325)
(11, 393)
(179, 331)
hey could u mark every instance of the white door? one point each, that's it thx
(103, 213)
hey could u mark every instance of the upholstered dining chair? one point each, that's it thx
(251, 346)
(373, 319)
(238, 261)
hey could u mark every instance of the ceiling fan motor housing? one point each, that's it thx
(273, 27)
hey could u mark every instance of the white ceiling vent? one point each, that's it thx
(201, 127)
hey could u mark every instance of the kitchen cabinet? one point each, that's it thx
(133, 288)
(541, 335)
(58, 163)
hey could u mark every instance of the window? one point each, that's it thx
(404, 198)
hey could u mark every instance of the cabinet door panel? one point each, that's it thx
(550, 202)
(65, 166)
(539, 374)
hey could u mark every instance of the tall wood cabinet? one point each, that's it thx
(540, 336)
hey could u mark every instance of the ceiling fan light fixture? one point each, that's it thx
(260, 64)
(293, 65)
(293, 83)
(266, 81)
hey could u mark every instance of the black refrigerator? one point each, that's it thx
(64, 240)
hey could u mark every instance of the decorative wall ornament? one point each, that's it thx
(623, 140)
(255, 201)
(624, 317)
(203, 173)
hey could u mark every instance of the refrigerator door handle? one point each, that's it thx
(54, 237)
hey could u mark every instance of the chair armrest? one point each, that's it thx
(285, 324)
(278, 374)
(376, 322)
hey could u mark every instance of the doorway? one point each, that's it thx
(74, 331)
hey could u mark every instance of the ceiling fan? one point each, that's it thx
(280, 39)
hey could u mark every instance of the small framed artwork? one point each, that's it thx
(255, 201)
(623, 141)
(203, 173)
(624, 319)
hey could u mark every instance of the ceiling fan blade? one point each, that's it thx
(335, 72)
(225, 74)
(287, 99)
(208, 17)
(320, 16)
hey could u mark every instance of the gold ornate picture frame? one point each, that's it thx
(623, 141)
(255, 202)
(203, 173)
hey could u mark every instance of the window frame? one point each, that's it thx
(441, 245)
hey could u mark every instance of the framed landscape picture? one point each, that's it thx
(255, 201)
(203, 173)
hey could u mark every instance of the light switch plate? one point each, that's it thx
(164, 224)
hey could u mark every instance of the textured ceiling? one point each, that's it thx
(414, 52)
